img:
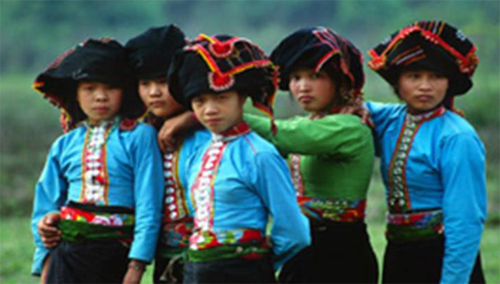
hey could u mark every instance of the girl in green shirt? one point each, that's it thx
(330, 155)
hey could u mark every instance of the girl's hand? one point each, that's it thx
(173, 128)
(356, 107)
(47, 228)
(135, 271)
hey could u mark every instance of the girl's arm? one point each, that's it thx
(339, 134)
(148, 193)
(290, 228)
(464, 204)
(50, 195)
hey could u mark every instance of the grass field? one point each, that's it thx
(16, 250)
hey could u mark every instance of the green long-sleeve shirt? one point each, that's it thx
(336, 153)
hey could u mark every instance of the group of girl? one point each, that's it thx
(219, 204)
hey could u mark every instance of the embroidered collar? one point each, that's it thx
(103, 123)
(427, 115)
(232, 133)
(322, 114)
(319, 115)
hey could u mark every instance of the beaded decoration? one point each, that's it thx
(95, 178)
(398, 198)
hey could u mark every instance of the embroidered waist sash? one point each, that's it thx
(414, 226)
(174, 238)
(81, 223)
(338, 210)
(242, 243)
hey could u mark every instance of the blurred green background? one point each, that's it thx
(34, 33)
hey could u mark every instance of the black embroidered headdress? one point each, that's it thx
(151, 52)
(222, 63)
(102, 60)
(315, 48)
(432, 45)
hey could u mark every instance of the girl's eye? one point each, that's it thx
(438, 76)
(413, 75)
(162, 81)
(294, 77)
(315, 75)
(197, 100)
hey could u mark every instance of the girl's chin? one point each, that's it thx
(160, 112)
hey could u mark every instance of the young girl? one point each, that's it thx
(102, 180)
(330, 155)
(432, 160)
(150, 55)
(237, 180)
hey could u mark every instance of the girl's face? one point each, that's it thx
(219, 112)
(157, 98)
(98, 101)
(422, 90)
(315, 92)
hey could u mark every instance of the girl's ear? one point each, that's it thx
(395, 88)
(242, 98)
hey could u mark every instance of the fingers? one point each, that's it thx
(47, 228)
(166, 140)
(51, 242)
(164, 135)
(47, 225)
(161, 144)
(370, 123)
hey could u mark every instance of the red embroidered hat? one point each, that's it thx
(432, 45)
(315, 48)
(222, 63)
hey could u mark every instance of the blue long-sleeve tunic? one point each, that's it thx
(252, 183)
(134, 179)
(443, 168)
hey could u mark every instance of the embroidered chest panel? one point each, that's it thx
(296, 174)
(175, 207)
(399, 198)
(95, 177)
(202, 194)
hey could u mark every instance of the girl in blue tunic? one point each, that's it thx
(237, 180)
(150, 55)
(102, 181)
(432, 160)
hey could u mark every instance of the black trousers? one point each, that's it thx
(340, 253)
(233, 270)
(90, 262)
(420, 262)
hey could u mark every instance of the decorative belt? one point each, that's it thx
(174, 238)
(338, 210)
(414, 226)
(78, 225)
(241, 243)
